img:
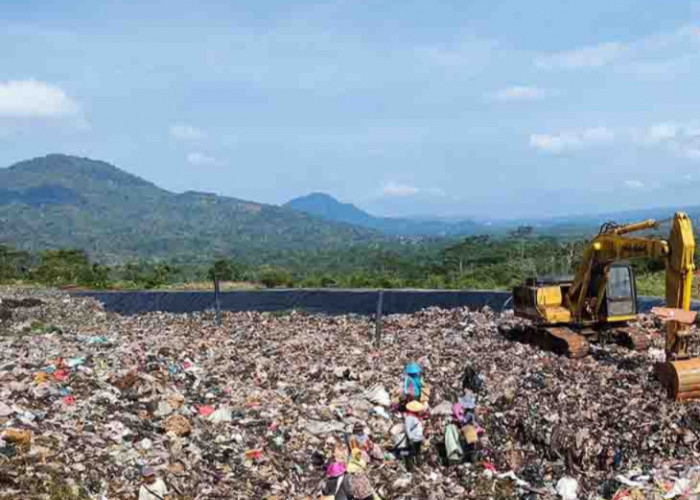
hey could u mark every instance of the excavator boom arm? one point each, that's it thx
(679, 279)
(611, 247)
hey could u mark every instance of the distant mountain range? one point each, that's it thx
(328, 208)
(60, 201)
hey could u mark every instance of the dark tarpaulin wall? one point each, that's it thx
(315, 301)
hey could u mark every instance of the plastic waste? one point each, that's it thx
(380, 412)
(5, 410)
(567, 488)
(317, 428)
(16, 436)
(74, 362)
(205, 410)
(221, 415)
(379, 396)
(178, 425)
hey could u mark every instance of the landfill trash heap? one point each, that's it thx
(258, 407)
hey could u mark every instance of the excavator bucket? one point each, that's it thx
(681, 376)
(671, 313)
(683, 379)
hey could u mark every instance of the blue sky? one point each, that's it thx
(453, 108)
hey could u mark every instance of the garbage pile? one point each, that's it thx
(97, 405)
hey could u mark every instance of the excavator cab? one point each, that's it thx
(620, 294)
(611, 295)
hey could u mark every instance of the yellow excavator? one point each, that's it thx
(601, 299)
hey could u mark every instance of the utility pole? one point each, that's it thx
(217, 300)
(378, 319)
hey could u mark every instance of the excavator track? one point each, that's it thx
(565, 341)
(632, 337)
(558, 339)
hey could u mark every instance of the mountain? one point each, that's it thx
(328, 208)
(60, 201)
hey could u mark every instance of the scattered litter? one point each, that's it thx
(259, 406)
(567, 488)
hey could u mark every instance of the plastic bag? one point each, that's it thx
(379, 396)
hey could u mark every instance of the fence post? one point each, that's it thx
(217, 300)
(378, 318)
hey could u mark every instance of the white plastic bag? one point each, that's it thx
(567, 488)
(379, 396)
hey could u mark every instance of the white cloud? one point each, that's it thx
(572, 140)
(184, 132)
(586, 57)
(692, 153)
(34, 99)
(656, 55)
(554, 143)
(681, 139)
(634, 184)
(396, 189)
(467, 55)
(198, 159)
(436, 192)
(597, 135)
(661, 132)
(518, 93)
(678, 138)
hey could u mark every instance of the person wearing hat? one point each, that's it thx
(361, 486)
(152, 488)
(338, 484)
(413, 421)
(360, 440)
(463, 415)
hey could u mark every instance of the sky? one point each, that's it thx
(485, 109)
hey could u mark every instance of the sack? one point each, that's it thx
(337, 489)
(469, 433)
(379, 396)
(414, 429)
(361, 487)
(399, 439)
(453, 446)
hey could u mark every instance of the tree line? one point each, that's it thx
(475, 262)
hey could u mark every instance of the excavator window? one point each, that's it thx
(621, 293)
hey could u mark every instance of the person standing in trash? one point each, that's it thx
(412, 385)
(400, 444)
(472, 380)
(413, 421)
(338, 484)
(361, 485)
(463, 413)
(360, 440)
(453, 442)
(152, 488)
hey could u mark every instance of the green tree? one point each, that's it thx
(61, 267)
(14, 264)
(272, 276)
(226, 270)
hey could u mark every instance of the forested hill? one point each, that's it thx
(60, 201)
(327, 207)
